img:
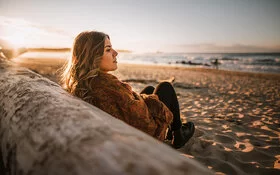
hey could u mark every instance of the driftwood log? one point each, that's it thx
(45, 130)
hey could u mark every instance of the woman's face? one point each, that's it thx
(108, 60)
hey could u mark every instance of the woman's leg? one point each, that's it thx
(182, 134)
(167, 95)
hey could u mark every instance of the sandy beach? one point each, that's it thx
(237, 114)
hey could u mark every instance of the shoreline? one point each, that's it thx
(202, 69)
(61, 61)
(254, 65)
(209, 67)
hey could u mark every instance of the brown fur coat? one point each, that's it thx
(145, 112)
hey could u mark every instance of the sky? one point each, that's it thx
(146, 25)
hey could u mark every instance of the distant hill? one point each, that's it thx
(65, 50)
(7, 49)
(12, 53)
(123, 51)
(49, 49)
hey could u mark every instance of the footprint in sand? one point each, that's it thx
(224, 139)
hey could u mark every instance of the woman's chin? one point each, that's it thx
(115, 68)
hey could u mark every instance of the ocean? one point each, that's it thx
(245, 62)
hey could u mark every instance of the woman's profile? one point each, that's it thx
(154, 110)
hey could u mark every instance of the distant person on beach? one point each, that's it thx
(216, 63)
(153, 111)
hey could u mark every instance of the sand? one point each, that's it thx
(236, 114)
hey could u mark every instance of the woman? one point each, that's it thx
(152, 111)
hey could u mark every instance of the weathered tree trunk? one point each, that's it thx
(45, 130)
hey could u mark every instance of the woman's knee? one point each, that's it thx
(165, 85)
(149, 87)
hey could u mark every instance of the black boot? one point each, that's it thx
(183, 135)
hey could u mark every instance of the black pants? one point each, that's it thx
(167, 95)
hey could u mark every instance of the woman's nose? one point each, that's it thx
(115, 53)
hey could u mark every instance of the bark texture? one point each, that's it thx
(45, 130)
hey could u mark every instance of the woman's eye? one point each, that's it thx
(108, 50)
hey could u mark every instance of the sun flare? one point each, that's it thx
(19, 36)
(16, 41)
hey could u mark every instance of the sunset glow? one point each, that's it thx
(180, 26)
(16, 33)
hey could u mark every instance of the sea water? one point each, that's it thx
(245, 62)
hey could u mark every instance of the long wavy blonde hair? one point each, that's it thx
(86, 54)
